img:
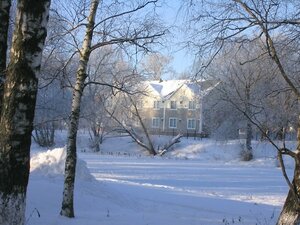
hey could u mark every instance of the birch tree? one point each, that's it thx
(67, 208)
(18, 107)
(220, 22)
(117, 28)
(4, 18)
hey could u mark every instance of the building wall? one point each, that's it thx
(164, 113)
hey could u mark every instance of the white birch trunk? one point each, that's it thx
(4, 22)
(18, 108)
(14, 213)
(67, 208)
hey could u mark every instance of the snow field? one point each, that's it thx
(200, 182)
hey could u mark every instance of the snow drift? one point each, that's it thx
(52, 164)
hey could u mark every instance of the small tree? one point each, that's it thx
(126, 111)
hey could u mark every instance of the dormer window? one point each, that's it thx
(192, 105)
(156, 105)
(173, 105)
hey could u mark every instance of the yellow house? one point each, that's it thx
(173, 106)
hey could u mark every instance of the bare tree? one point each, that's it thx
(94, 115)
(234, 20)
(18, 108)
(51, 112)
(155, 65)
(126, 111)
(110, 30)
(239, 84)
(70, 165)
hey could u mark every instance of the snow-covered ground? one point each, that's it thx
(201, 182)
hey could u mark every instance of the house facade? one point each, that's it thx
(172, 107)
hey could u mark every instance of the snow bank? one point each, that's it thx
(208, 149)
(52, 164)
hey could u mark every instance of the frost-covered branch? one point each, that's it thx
(168, 145)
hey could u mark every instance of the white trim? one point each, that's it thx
(164, 115)
(152, 124)
(175, 105)
(193, 105)
(156, 106)
(187, 123)
(201, 116)
(173, 118)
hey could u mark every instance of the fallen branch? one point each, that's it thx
(167, 146)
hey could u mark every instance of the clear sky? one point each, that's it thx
(171, 14)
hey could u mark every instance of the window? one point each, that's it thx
(191, 124)
(172, 123)
(192, 105)
(156, 104)
(155, 122)
(173, 105)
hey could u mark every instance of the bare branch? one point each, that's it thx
(126, 12)
(132, 40)
(168, 145)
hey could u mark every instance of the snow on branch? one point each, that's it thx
(167, 146)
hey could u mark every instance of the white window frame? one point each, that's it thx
(154, 125)
(193, 104)
(172, 118)
(187, 124)
(175, 103)
(156, 105)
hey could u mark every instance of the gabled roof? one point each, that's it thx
(167, 88)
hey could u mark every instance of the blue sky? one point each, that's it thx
(182, 60)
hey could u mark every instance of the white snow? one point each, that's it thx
(166, 88)
(201, 182)
(51, 164)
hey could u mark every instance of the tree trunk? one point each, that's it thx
(150, 146)
(4, 22)
(67, 208)
(247, 154)
(95, 137)
(18, 108)
(290, 213)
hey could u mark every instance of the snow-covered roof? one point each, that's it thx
(165, 89)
